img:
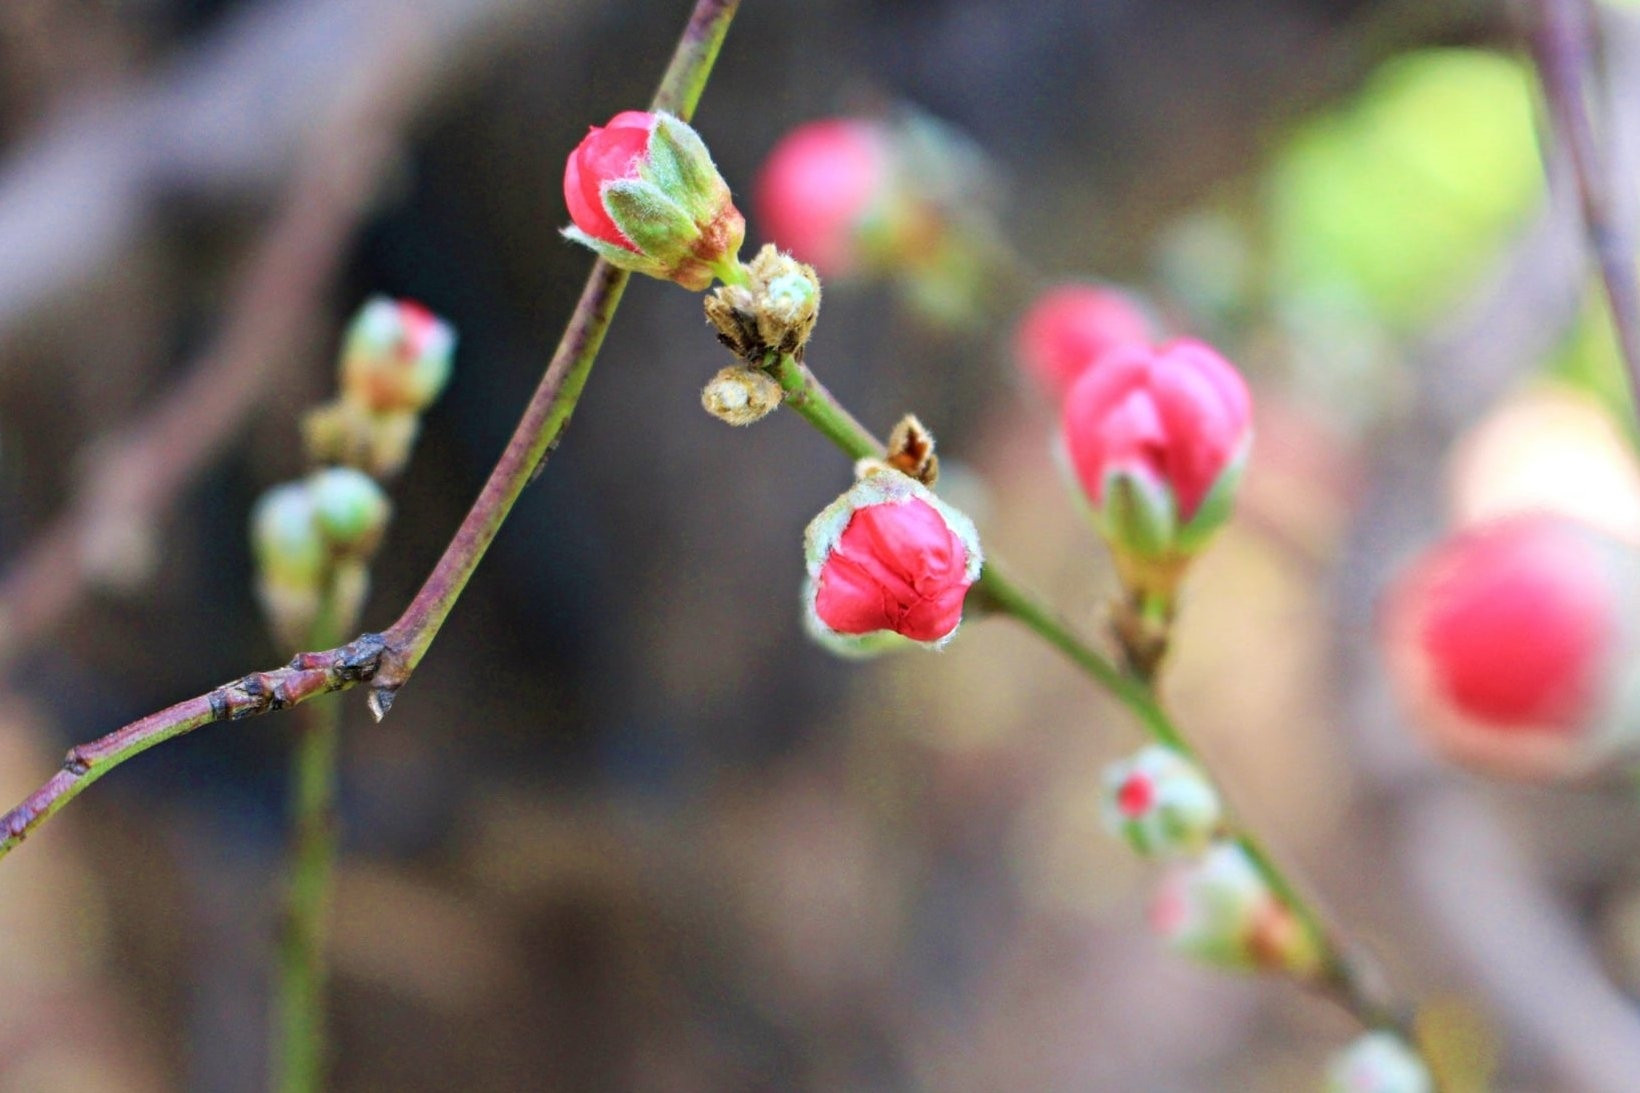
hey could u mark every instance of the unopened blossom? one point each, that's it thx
(1219, 910)
(644, 194)
(889, 559)
(396, 356)
(1512, 646)
(1157, 438)
(1161, 804)
(1071, 326)
(825, 188)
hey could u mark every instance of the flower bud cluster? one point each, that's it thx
(772, 309)
(395, 361)
(1161, 804)
(306, 535)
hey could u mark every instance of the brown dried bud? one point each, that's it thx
(911, 451)
(741, 396)
(774, 311)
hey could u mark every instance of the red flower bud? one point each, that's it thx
(1072, 326)
(1507, 644)
(645, 196)
(1157, 438)
(889, 556)
(605, 155)
(819, 188)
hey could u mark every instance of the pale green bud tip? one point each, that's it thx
(397, 356)
(349, 507)
(1161, 804)
(1379, 1062)
(289, 547)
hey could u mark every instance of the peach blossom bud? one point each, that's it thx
(821, 189)
(1219, 910)
(1070, 327)
(644, 194)
(1511, 646)
(1161, 804)
(396, 356)
(888, 560)
(1378, 1062)
(349, 509)
(1157, 439)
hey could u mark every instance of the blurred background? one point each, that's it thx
(627, 829)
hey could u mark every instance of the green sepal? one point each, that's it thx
(1137, 514)
(1216, 507)
(619, 257)
(657, 225)
(680, 166)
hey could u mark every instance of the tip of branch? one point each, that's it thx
(381, 700)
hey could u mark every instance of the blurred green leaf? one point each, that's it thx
(1403, 194)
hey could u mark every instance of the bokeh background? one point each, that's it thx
(627, 830)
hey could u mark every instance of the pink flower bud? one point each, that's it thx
(396, 356)
(605, 155)
(889, 557)
(819, 189)
(1157, 439)
(644, 194)
(1072, 326)
(1509, 646)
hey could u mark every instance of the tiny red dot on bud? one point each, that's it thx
(1136, 796)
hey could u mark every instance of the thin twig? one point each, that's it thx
(1561, 38)
(388, 658)
(1340, 977)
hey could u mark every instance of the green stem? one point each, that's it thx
(301, 967)
(997, 591)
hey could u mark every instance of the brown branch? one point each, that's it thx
(1561, 38)
(388, 659)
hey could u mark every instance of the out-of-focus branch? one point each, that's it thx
(228, 117)
(105, 536)
(1512, 939)
(1561, 39)
(387, 659)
